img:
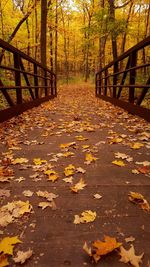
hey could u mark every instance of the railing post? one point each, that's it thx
(55, 84)
(52, 84)
(96, 84)
(115, 79)
(133, 60)
(105, 85)
(18, 78)
(45, 82)
(36, 81)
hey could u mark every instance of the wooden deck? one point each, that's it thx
(55, 240)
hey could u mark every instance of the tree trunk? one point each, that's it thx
(36, 32)
(113, 36)
(65, 48)
(43, 31)
(56, 39)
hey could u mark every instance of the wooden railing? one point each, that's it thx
(24, 82)
(125, 82)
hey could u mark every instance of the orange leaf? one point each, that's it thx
(107, 246)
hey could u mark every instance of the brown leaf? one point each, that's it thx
(23, 256)
(139, 199)
(128, 256)
(79, 186)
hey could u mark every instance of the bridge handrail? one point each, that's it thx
(105, 80)
(42, 79)
(14, 50)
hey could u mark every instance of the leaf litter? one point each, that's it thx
(42, 167)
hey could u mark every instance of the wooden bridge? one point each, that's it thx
(76, 168)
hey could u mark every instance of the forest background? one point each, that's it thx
(74, 38)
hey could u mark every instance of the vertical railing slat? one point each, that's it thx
(18, 78)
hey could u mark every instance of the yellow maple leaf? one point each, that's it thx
(115, 140)
(69, 170)
(67, 145)
(7, 244)
(136, 145)
(85, 217)
(79, 186)
(67, 154)
(38, 161)
(89, 158)
(119, 163)
(3, 260)
(19, 161)
(52, 175)
(85, 146)
(88, 216)
(81, 138)
(25, 207)
(109, 244)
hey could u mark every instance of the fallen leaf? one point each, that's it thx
(6, 174)
(13, 210)
(27, 193)
(85, 146)
(68, 154)
(119, 163)
(44, 205)
(128, 256)
(52, 175)
(109, 244)
(22, 256)
(4, 193)
(81, 138)
(119, 155)
(19, 161)
(79, 186)
(135, 171)
(20, 179)
(115, 140)
(3, 260)
(67, 145)
(68, 180)
(89, 158)
(7, 244)
(101, 248)
(87, 249)
(144, 163)
(86, 217)
(144, 170)
(38, 161)
(47, 195)
(136, 145)
(130, 239)
(139, 199)
(69, 170)
(80, 170)
(97, 196)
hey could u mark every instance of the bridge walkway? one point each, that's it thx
(92, 135)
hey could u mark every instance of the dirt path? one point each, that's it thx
(95, 134)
